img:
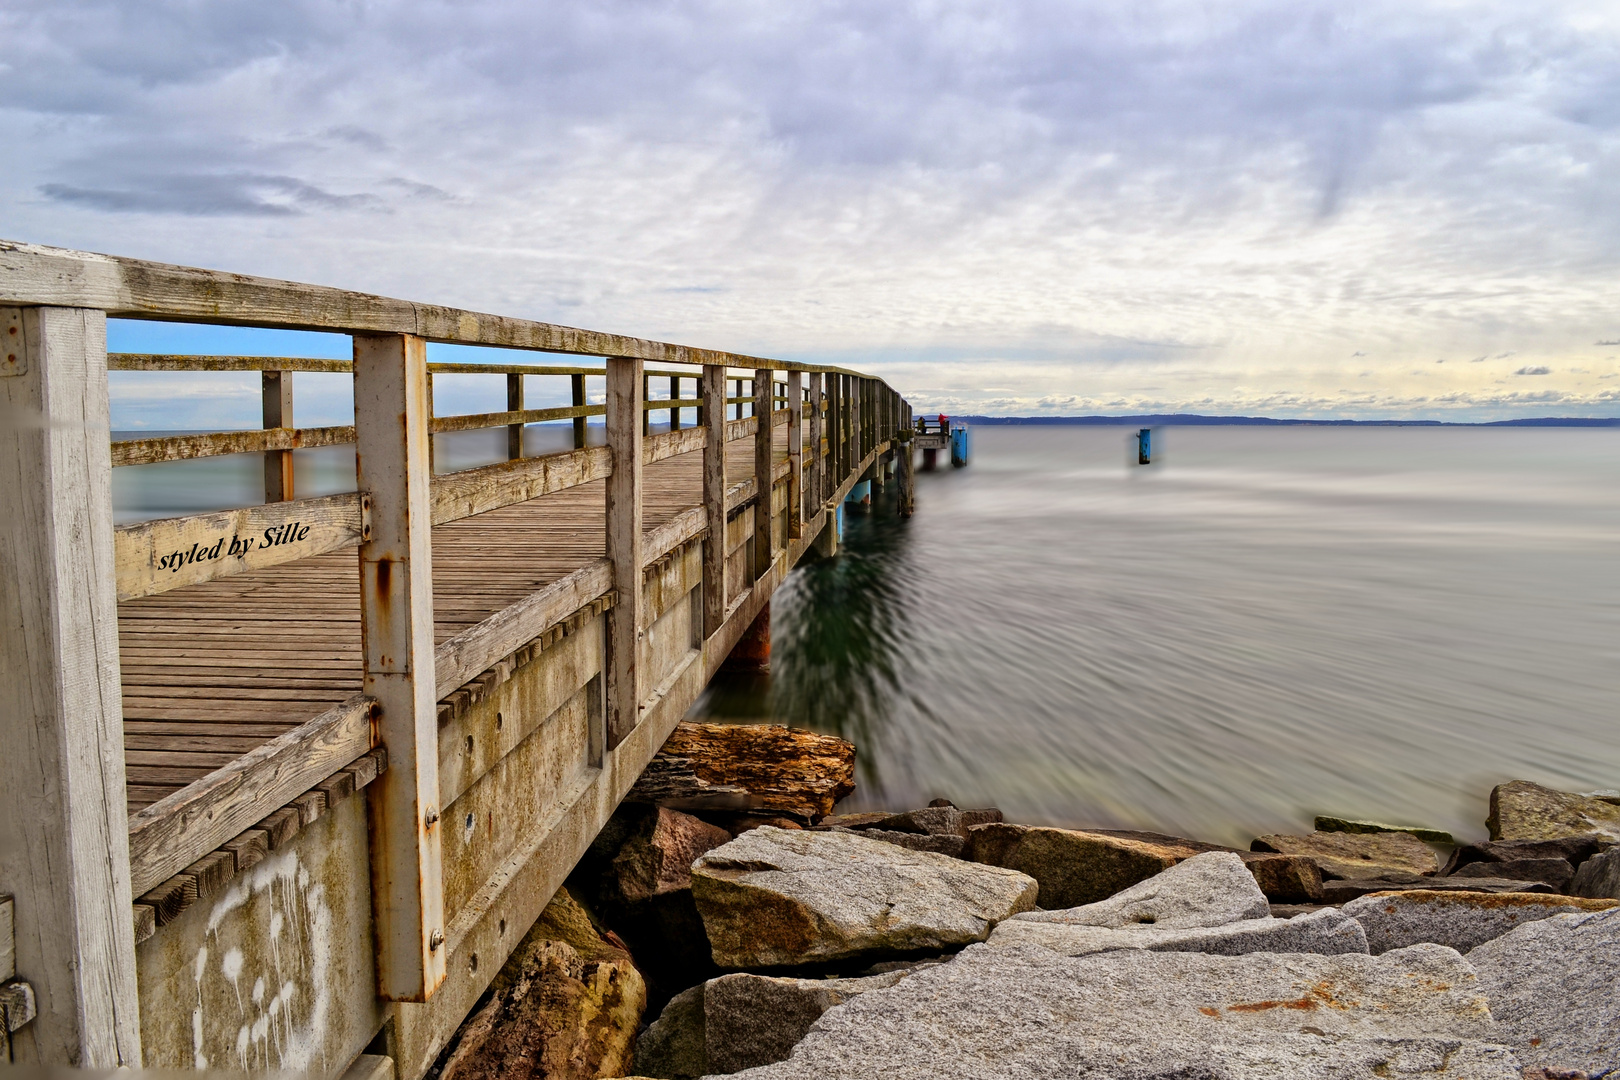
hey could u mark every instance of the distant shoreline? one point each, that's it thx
(1196, 420)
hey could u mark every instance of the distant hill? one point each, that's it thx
(1195, 420)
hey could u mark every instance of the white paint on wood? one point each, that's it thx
(624, 630)
(176, 831)
(64, 829)
(392, 413)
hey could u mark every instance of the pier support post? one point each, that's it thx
(64, 829)
(277, 390)
(714, 498)
(764, 535)
(625, 385)
(795, 449)
(906, 475)
(392, 416)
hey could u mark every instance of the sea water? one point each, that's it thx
(1263, 625)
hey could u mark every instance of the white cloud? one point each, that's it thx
(1067, 200)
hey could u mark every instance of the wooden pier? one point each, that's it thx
(283, 785)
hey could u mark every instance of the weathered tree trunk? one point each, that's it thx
(758, 767)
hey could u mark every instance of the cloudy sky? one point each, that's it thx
(1012, 206)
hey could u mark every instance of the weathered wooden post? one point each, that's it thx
(713, 415)
(514, 403)
(813, 484)
(795, 448)
(625, 383)
(646, 413)
(906, 475)
(674, 395)
(764, 535)
(277, 390)
(391, 426)
(578, 386)
(64, 830)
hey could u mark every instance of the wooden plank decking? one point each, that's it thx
(212, 671)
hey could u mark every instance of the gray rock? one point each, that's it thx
(1026, 1012)
(755, 1020)
(779, 898)
(1572, 849)
(673, 1047)
(931, 821)
(1328, 932)
(1356, 855)
(1072, 867)
(1598, 877)
(1210, 889)
(1553, 991)
(740, 1021)
(1461, 920)
(1553, 873)
(1324, 823)
(943, 844)
(1340, 892)
(1522, 810)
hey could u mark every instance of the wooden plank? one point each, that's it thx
(476, 421)
(214, 444)
(714, 500)
(281, 826)
(277, 389)
(622, 662)
(477, 491)
(174, 362)
(172, 833)
(764, 535)
(145, 920)
(8, 942)
(795, 449)
(156, 556)
(171, 897)
(248, 849)
(475, 649)
(671, 444)
(63, 824)
(212, 872)
(392, 413)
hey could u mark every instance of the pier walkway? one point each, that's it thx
(284, 784)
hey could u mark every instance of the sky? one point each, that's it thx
(1020, 207)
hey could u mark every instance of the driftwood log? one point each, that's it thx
(749, 767)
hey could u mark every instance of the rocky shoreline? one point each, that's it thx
(728, 923)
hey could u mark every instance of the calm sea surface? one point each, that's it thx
(1264, 625)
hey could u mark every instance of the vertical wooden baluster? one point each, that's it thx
(392, 414)
(675, 395)
(514, 403)
(646, 395)
(625, 420)
(713, 418)
(277, 390)
(795, 447)
(577, 383)
(432, 448)
(64, 830)
(818, 471)
(764, 534)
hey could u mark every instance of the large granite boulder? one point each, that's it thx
(1598, 877)
(1285, 879)
(1328, 931)
(1210, 889)
(1356, 855)
(1072, 867)
(1461, 920)
(1553, 991)
(656, 857)
(1572, 849)
(1522, 810)
(565, 1006)
(1029, 1013)
(1553, 873)
(741, 1021)
(776, 898)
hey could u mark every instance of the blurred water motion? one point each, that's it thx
(1265, 624)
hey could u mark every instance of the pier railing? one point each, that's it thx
(71, 856)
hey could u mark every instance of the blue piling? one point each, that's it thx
(959, 446)
(1144, 446)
